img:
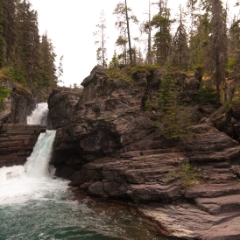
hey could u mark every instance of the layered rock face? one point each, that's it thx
(109, 147)
(16, 138)
(17, 142)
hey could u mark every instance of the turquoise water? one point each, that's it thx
(66, 219)
(36, 206)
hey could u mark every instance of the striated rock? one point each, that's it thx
(65, 100)
(186, 221)
(142, 178)
(17, 143)
(208, 144)
(109, 147)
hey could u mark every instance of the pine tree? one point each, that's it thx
(162, 38)
(175, 119)
(123, 17)
(216, 59)
(179, 48)
(194, 17)
(146, 28)
(9, 31)
(28, 41)
(101, 40)
(199, 41)
(48, 69)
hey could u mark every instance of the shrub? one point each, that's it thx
(187, 175)
(206, 95)
(4, 92)
(148, 105)
(14, 74)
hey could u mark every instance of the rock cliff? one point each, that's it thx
(108, 146)
(16, 138)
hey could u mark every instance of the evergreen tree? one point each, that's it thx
(9, 31)
(162, 38)
(179, 49)
(175, 119)
(194, 17)
(199, 41)
(48, 69)
(28, 41)
(122, 24)
(216, 58)
(21, 52)
(147, 29)
(101, 40)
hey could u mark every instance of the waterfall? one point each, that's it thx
(39, 115)
(34, 179)
(37, 164)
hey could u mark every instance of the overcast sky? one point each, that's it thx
(70, 25)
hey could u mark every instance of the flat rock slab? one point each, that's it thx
(213, 190)
(219, 204)
(188, 222)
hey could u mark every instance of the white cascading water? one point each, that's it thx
(33, 179)
(39, 115)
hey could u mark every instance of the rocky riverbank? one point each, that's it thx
(108, 146)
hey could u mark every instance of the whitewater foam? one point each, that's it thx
(34, 180)
(39, 115)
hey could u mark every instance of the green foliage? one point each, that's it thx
(4, 92)
(175, 119)
(148, 105)
(174, 124)
(24, 57)
(167, 95)
(131, 71)
(187, 175)
(14, 74)
(231, 64)
(114, 68)
(162, 37)
(206, 95)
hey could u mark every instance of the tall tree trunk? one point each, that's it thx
(129, 37)
(149, 36)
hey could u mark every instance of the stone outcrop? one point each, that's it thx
(17, 142)
(109, 147)
(65, 99)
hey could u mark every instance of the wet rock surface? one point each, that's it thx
(109, 147)
(17, 142)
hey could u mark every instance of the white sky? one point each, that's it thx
(70, 25)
